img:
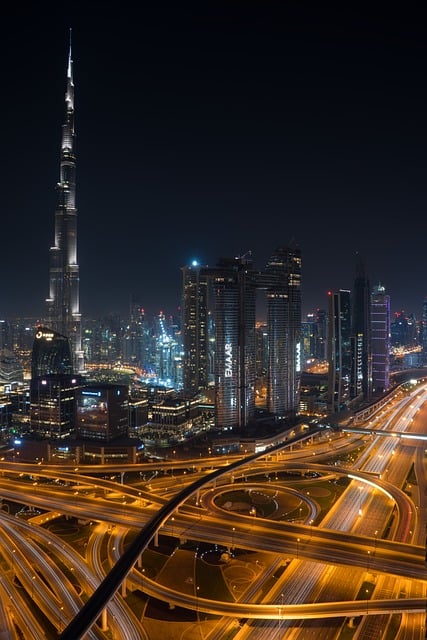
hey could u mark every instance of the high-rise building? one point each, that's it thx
(102, 412)
(53, 405)
(321, 349)
(136, 337)
(195, 328)
(234, 282)
(282, 279)
(167, 356)
(404, 330)
(339, 349)
(51, 354)
(241, 352)
(261, 334)
(63, 304)
(380, 339)
(53, 385)
(361, 377)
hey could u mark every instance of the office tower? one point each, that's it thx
(51, 354)
(361, 376)
(282, 279)
(53, 405)
(234, 282)
(11, 370)
(136, 336)
(63, 310)
(53, 385)
(5, 335)
(380, 339)
(339, 349)
(308, 340)
(103, 340)
(404, 330)
(195, 328)
(261, 335)
(321, 348)
(102, 412)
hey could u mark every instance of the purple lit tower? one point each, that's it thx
(63, 312)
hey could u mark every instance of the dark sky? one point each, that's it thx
(211, 129)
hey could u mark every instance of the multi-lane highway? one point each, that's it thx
(362, 559)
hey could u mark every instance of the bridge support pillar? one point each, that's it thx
(104, 622)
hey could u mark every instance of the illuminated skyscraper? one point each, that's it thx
(234, 283)
(361, 377)
(51, 354)
(380, 338)
(195, 328)
(283, 279)
(63, 306)
(136, 336)
(339, 349)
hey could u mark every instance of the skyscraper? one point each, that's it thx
(380, 338)
(63, 304)
(361, 377)
(234, 283)
(283, 279)
(51, 354)
(195, 328)
(339, 349)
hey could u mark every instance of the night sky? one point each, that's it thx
(214, 129)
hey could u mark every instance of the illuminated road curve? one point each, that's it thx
(285, 612)
(105, 591)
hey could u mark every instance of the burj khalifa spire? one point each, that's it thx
(63, 303)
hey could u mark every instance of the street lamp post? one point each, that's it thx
(280, 612)
(298, 541)
(197, 604)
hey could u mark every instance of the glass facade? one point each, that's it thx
(339, 349)
(235, 343)
(52, 405)
(51, 354)
(102, 412)
(195, 329)
(380, 339)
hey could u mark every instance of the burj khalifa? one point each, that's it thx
(63, 303)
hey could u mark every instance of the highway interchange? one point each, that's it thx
(372, 539)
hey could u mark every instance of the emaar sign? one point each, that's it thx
(228, 372)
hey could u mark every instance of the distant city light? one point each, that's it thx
(194, 263)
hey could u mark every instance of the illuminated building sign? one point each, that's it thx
(228, 360)
(47, 335)
(298, 357)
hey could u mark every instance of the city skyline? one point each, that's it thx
(205, 132)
